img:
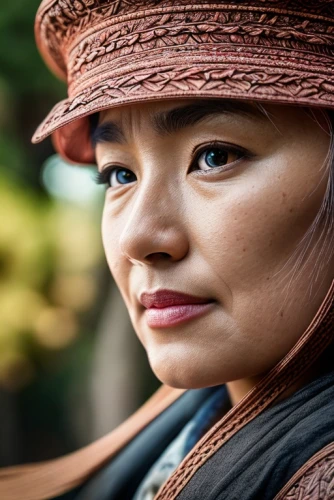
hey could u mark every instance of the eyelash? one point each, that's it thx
(104, 176)
(229, 148)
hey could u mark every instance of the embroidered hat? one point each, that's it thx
(118, 52)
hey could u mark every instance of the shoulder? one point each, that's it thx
(314, 480)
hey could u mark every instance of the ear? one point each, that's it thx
(73, 142)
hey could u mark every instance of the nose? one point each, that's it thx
(155, 229)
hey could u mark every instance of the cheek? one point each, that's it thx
(255, 223)
(246, 239)
(108, 239)
(113, 223)
(111, 231)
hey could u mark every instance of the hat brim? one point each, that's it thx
(69, 125)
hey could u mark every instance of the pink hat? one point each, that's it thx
(117, 52)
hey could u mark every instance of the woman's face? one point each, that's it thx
(207, 204)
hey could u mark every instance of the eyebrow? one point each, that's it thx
(107, 132)
(176, 119)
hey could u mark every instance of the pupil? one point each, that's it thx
(124, 176)
(216, 157)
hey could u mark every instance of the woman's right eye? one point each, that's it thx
(115, 176)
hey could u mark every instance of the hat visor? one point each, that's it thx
(70, 128)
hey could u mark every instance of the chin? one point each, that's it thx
(182, 375)
(179, 382)
(173, 372)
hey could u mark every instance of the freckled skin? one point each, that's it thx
(224, 236)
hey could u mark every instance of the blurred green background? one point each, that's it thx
(71, 367)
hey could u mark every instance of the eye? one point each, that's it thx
(115, 176)
(216, 156)
(119, 176)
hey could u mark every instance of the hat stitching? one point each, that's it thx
(60, 20)
(235, 30)
(194, 56)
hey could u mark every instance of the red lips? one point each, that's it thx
(167, 308)
(167, 298)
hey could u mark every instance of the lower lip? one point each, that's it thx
(174, 315)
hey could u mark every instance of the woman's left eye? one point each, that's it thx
(216, 157)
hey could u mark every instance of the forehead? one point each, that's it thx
(150, 111)
(165, 118)
(169, 117)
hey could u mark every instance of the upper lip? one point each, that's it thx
(167, 298)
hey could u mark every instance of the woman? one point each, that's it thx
(211, 127)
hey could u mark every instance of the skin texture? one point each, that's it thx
(223, 235)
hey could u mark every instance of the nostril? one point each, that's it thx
(152, 257)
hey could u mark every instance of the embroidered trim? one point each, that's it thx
(61, 21)
(314, 480)
(281, 85)
(201, 28)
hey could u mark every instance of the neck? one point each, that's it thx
(238, 389)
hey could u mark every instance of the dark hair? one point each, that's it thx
(93, 123)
